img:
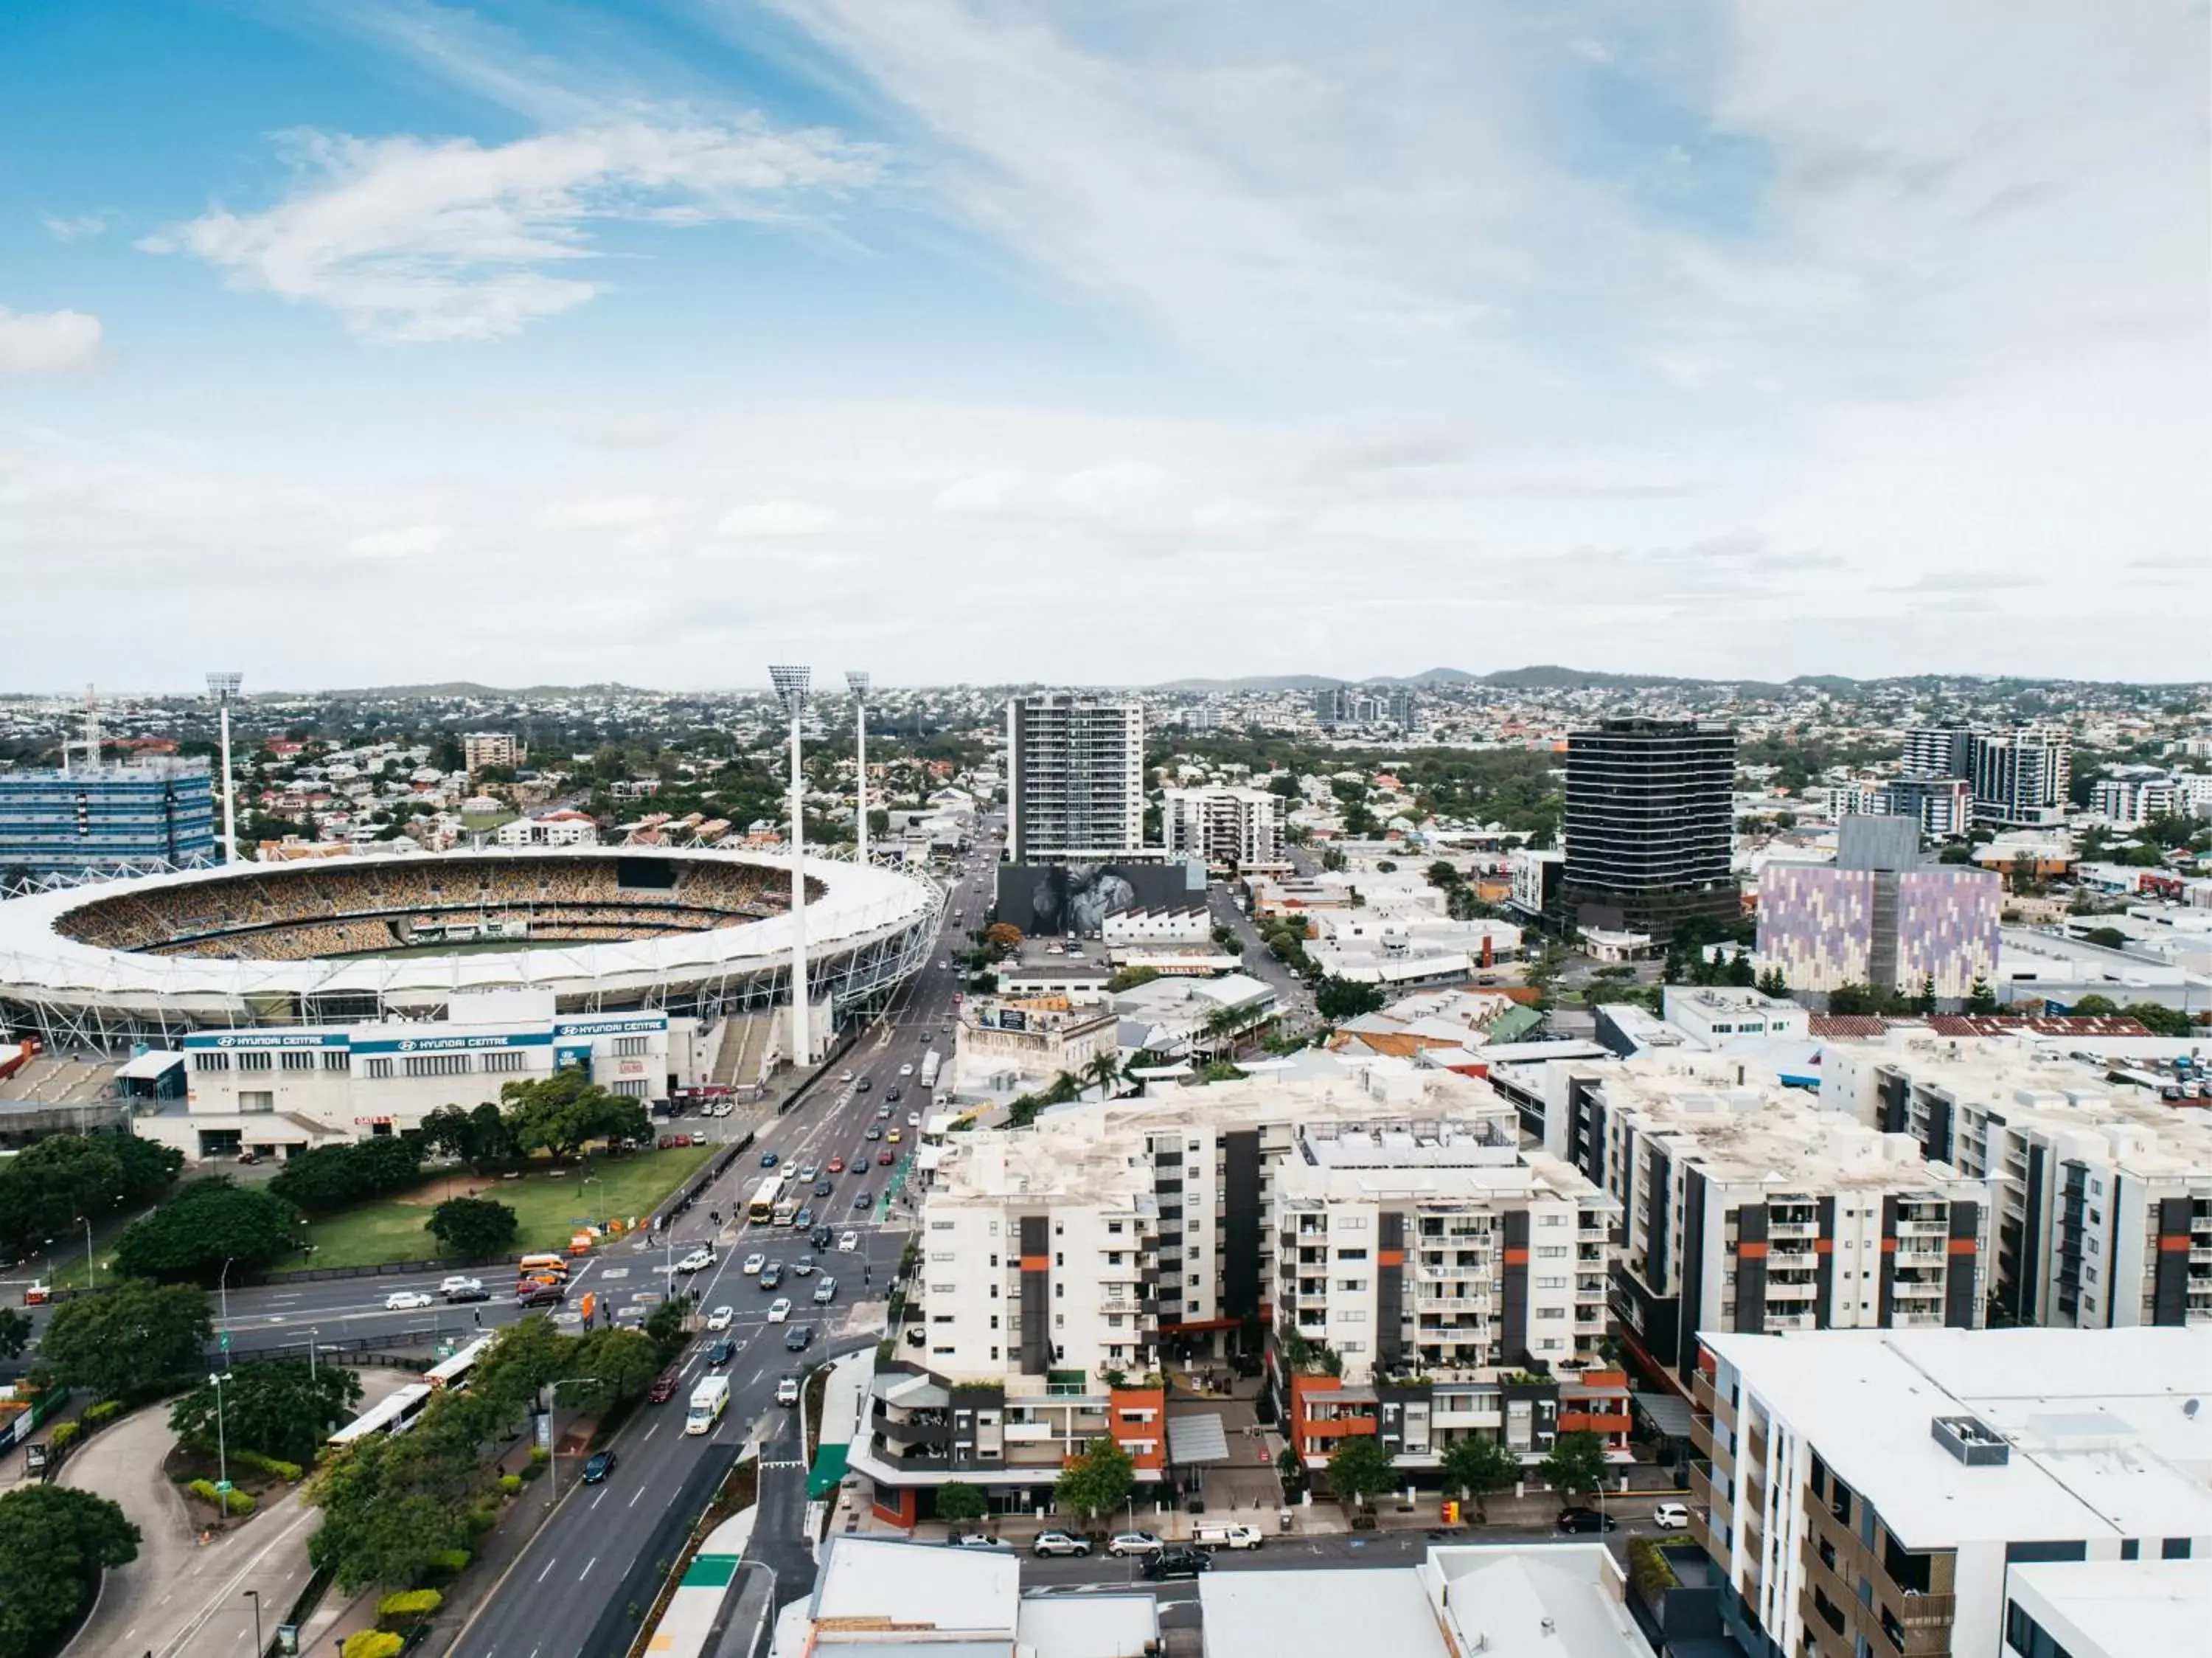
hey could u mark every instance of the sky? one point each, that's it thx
(370, 342)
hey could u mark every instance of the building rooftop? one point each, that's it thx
(2112, 1607)
(2108, 1434)
(930, 1593)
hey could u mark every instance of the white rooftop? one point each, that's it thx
(2117, 1608)
(921, 1588)
(2109, 1431)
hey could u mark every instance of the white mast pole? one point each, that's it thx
(791, 684)
(859, 682)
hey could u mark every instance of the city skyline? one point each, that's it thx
(636, 342)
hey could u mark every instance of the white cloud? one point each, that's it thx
(47, 342)
(413, 239)
(82, 228)
(410, 541)
(775, 520)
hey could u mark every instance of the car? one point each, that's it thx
(836, 1165)
(874, 1133)
(849, 1242)
(753, 1264)
(819, 1237)
(807, 1171)
(822, 1188)
(1124, 1544)
(913, 1120)
(778, 1310)
(860, 1198)
(598, 1465)
(826, 1291)
(884, 1159)
(1046, 1543)
(800, 1338)
(1671, 1517)
(1163, 1564)
(978, 1541)
(882, 1113)
(460, 1282)
(1227, 1537)
(906, 1071)
(540, 1295)
(770, 1159)
(668, 1142)
(786, 1390)
(470, 1290)
(892, 1094)
(803, 1267)
(722, 1318)
(721, 1353)
(406, 1301)
(1584, 1520)
(896, 1135)
(945, 965)
(697, 1261)
(846, 1077)
(663, 1388)
(771, 1275)
(804, 1220)
(863, 1085)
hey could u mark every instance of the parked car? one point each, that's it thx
(406, 1301)
(1059, 1543)
(1671, 1517)
(1164, 1563)
(663, 1388)
(722, 1318)
(1227, 1537)
(721, 1353)
(978, 1541)
(778, 1310)
(786, 1390)
(1124, 1544)
(1585, 1519)
(801, 1337)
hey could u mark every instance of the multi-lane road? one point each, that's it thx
(582, 1582)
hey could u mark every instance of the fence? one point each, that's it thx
(23, 1424)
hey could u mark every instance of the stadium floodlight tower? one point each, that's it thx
(223, 687)
(791, 684)
(858, 683)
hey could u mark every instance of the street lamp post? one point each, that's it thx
(215, 1380)
(859, 684)
(223, 687)
(91, 1272)
(791, 685)
(314, 1339)
(223, 1289)
(254, 1595)
(552, 1405)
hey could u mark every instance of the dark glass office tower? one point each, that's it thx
(1649, 825)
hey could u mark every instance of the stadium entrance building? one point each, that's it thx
(278, 1092)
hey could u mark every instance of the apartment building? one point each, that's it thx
(1235, 831)
(480, 749)
(1075, 779)
(2017, 779)
(1650, 825)
(2102, 1190)
(1919, 1491)
(1745, 1207)
(1878, 916)
(157, 813)
(1063, 1262)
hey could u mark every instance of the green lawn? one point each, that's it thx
(548, 1206)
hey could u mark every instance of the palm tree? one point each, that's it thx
(1221, 1028)
(1104, 1070)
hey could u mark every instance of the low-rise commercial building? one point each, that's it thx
(1012, 1044)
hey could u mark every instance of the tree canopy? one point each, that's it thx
(1477, 1465)
(472, 1228)
(1339, 999)
(331, 1177)
(565, 1111)
(54, 1543)
(1360, 1467)
(208, 1222)
(478, 1136)
(1576, 1462)
(137, 1337)
(1097, 1481)
(53, 1183)
(958, 1501)
(280, 1409)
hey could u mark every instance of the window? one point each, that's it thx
(335, 1058)
(252, 1099)
(298, 1060)
(1352, 1315)
(256, 1061)
(1352, 1255)
(630, 1087)
(1551, 1219)
(1551, 1252)
(437, 1064)
(211, 1062)
(629, 1047)
(504, 1059)
(377, 1070)
(1352, 1286)
(943, 1255)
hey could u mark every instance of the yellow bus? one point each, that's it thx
(539, 1266)
(765, 1196)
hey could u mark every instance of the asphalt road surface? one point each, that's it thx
(607, 1548)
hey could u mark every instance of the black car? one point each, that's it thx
(821, 1237)
(541, 1294)
(799, 1337)
(862, 1086)
(477, 1294)
(1584, 1520)
(598, 1465)
(721, 1353)
(1164, 1563)
(892, 1094)
(805, 1219)
(860, 1198)
(822, 1188)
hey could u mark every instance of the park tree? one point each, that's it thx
(1339, 999)
(1576, 1462)
(665, 1326)
(1980, 998)
(334, 1177)
(1003, 935)
(283, 1409)
(1359, 1468)
(1096, 1482)
(208, 1222)
(2094, 1005)
(565, 1111)
(393, 1504)
(54, 1543)
(958, 1503)
(1479, 1466)
(55, 1183)
(2158, 1020)
(623, 1361)
(15, 1334)
(140, 1337)
(472, 1228)
(477, 1135)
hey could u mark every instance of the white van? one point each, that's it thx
(1226, 1537)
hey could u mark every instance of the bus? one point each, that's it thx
(786, 1212)
(535, 1266)
(765, 1196)
(395, 1415)
(454, 1372)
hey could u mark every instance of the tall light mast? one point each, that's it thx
(858, 683)
(791, 684)
(223, 687)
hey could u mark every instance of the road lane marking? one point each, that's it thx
(586, 1572)
(549, 1567)
(633, 1501)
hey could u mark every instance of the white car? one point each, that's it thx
(753, 1264)
(1129, 1542)
(847, 1243)
(406, 1301)
(786, 1390)
(906, 1071)
(847, 1077)
(913, 1120)
(778, 1310)
(1671, 1517)
(459, 1285)
(722, 1318)
(697, 1261)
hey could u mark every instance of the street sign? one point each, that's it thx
(223, 1341)
(221, 1486)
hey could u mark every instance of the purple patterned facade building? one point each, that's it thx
(1826, 927)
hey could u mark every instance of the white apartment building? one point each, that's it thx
(1127, 930)
(279, 1091)
(554, 829)
(480, 749)
(1718, 1015)
(1888, 1491)
(1075, 779)
(1235, 831)
(2102, 1190)
(2131, 802)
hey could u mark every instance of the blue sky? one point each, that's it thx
(362, 342)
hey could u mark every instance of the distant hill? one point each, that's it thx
(1542, 677)
(469, 688)
(1262, 682)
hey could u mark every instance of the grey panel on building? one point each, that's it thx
(1513, 1300)
(1895, 1093)
(1659, 1200)
(2169, 1285)
(1937, 1145)
(1959, 1265)
(1885, 1290)
(1586, 1125)
(965, 1402)
(1241, 1222)
(1750, 1268)
(1693, 1274)
(2024, 1298)
(1824, 1264)
(1390, 1286)
(1036, 1294)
